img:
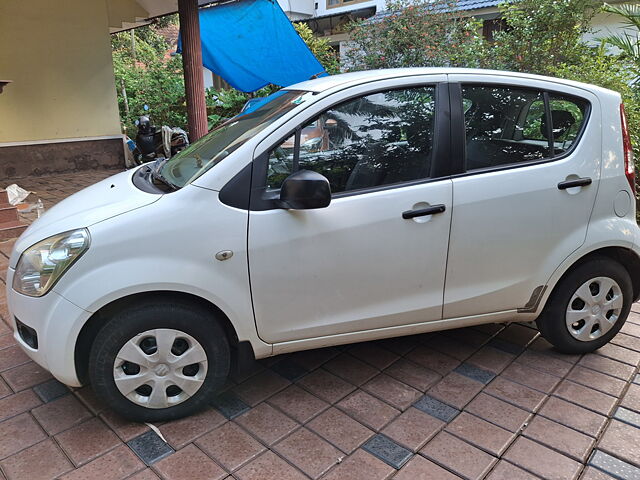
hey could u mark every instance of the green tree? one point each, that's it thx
(320, 47)
(541, 35)
(627, 41)
(416, 33)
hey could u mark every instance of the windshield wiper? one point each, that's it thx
(157, 175)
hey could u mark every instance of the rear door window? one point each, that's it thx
(507, 126)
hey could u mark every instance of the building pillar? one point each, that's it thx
(192, 63)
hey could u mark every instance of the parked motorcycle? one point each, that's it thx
(152, 142)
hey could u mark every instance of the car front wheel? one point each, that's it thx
(588, 306)
(159, 361)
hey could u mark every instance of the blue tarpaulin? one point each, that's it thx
(252, 43)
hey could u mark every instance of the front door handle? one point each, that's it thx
(421, 212)
(578, 182)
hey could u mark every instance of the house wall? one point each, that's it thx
(59, 59)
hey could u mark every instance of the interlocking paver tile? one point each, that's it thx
(615, 466)
(573, 416)
(61, 414)
(626, 341)
(368, 410)
(563, 439)
(269, 465)
(419, 468)
(125, 429)
(436, 408)
(545, 362)
(146, 474)
(25, 376)
(87, 396)
(449, 346)
(118, 463)
(455, 390)
(473, 337)
(373, 354)
(189, 463)
(518, 334)
(179, 433)
(530, 377)
(413, 428)
(621, 440)
(491, 359)
(340, 430)
(498, 412)
(229, 405)
(413, 374)
(631, 329)
(596, 380)
(230, 446)
(260, 387)
(482, 434)
(627, 416)
(51, 390)
(607, 365)
(399, 345)
(458, 456)
(591, 473)
(18, 433)
(475, 373)
(394, 392)
(12, 357)
(267, 423)
(541, 460)
(516, 394)
(298, 403)
(149, 447)
(312, 359)
(592, 399)
(17, 403)
(542, 346)
(505, 346)
(360, 465)
(87, 441)
(507, 471)
(351, 369)
(289, 369)
(42, 461)
(388, 451)
(631, 398)
(309, 452)
(621, 354)
(432, 359)
(326, 385)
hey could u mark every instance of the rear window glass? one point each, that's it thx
(508, 125)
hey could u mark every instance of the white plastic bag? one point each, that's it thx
(16, 194)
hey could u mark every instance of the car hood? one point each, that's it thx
(106, 199)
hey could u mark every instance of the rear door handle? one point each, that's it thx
(578, 182)
(421, 212)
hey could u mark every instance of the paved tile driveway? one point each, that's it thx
(489, 402)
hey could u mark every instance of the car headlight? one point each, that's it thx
(41, 265)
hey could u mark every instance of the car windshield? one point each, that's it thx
(214, 147)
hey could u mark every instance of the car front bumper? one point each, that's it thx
(57, 323)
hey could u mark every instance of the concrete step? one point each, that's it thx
(11, 229)
(8, 213)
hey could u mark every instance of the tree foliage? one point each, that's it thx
(416, 33)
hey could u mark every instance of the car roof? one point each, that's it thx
(343, 80)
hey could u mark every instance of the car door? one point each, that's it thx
(376, 256)
(523, 203)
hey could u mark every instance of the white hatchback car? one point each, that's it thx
(426, 199)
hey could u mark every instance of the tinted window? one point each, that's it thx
(380, 139)
(496, 133)
(509, 125)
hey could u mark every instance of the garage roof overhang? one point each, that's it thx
(128, 14)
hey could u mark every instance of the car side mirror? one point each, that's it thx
(305, 190)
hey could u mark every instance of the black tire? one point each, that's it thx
(552, 323)
(124, 325)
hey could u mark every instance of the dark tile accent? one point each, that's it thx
(505, 346)
(637, 379)
(150, 447)
(614, 467)
(627, 416)
(475, 373)
(388, 451)
(436, 408)
(50, 390)
(289, 369)
(229, 405)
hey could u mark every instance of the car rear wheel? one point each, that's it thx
(588, 306)
(159, 362)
